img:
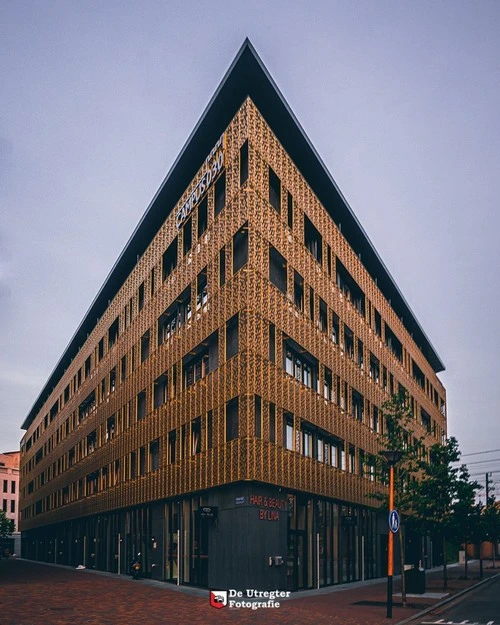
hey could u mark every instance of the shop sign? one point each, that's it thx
(239, 500)
(208, 512)
(214, 164)
(269, 507)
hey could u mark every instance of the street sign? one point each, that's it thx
(393, 521)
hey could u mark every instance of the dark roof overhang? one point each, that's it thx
(247, 76)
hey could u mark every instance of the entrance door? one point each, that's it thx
(297, 560)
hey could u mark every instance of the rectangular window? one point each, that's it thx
(277, 269)
(329, 260)
(222, 266)
(196, 436)
(220, 194)
(160, 391)
(113, 333)
(393, 343)
(350, 288)
(142, 461)
(290, 210)
(209, 430)
(361, 360)
(313, 240)
(169, 260)
(272, 423)
(100, 352)
(13, 487)
(357, 405)
(202, 216)
(110, 428)
(87, 367)
(178, 313)
(240, 248)
(378, 323)
(306, 442)
(418, 375)
(323, 316)
(272, 342)
(244, 163)
(201, 289)
(112, 380)
(154, 455)
(288, 431)
(201, 360)
(328, 385)
(232, 419)
(258, 416)
(12, 506)
(348, 342)
(274, 191)
(374, 368)
(187, 236)
(172, 441)
(145, 346)
(133, 465)
(301, 364)
(232, 337)
(141, 296)
(298, 291)
(152, 282)
(335, 328)
(123, 368)
(141, 405)
(311, 303)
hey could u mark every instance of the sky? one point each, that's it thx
(400, 98)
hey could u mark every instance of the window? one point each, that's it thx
(142, 461)
(100, 350)
(112, 380)
(350, 288)
(13, 487)
(335, 328)
(298, 291)
(201, 289)
(133, 464)
(357, 405)
(152, 282)
(277, 269)
(141, 405)
(178, 313)
(425, 420)
(376, 420)
(306, 437)
(300, 364)
(393, 343)
(361, 360)
(290, 210)
(160, 390)
(172, 441)
(209, 430)
(113, 333)
(378, 323)
(141, 296)
(288, 434)
(196, 436)
(123, 368)
(169, 261)
(202, 216)
(201, 360)
(87, 406)
(272, 423)
(222, 266)
(418, 374)
(240, 248)
(220, 194)
(323, 315)
(87, 368)
(272, 342)
(274, 191)
(374, 368)
(12, 506)
(232, 337)
(232, 419)
(244, 163)
(110, 428)
(311, 303)
(329, 260)
(348, 342)
(91, 442)
(145, 346)
(5, 486)
(313, 240)
(187, 236)
(328, 385)
(258, 416)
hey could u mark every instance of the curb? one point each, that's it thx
(447, 600)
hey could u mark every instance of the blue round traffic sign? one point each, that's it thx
(393, 521)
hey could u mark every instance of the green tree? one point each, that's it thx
(6, 525)
(443, 497)
(398, 435)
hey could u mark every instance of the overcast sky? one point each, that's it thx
(401, 100)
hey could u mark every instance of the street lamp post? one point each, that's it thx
(392, 458)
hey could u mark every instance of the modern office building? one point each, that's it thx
(218, 408)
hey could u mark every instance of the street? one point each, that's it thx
(480, 607)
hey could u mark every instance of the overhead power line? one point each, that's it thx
(478, 453)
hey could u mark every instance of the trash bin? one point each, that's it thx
(415, 581)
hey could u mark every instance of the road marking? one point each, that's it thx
(466, 622)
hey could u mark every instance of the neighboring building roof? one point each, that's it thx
(247, 76)
(10, 459)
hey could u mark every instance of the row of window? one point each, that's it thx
(12, 486)
(5, 506)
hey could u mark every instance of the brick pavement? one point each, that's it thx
(36, 594)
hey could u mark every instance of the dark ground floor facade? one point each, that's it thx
(244, 535)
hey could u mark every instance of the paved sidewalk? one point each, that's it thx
(37, 594)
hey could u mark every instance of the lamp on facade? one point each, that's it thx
(392, 458)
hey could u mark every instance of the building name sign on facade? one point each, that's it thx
(269, 507)
(214, 164)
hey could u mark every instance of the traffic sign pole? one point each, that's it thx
(390, 545)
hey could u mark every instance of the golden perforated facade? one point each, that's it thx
(228, 394)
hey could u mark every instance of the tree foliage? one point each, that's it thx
(6, 525)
